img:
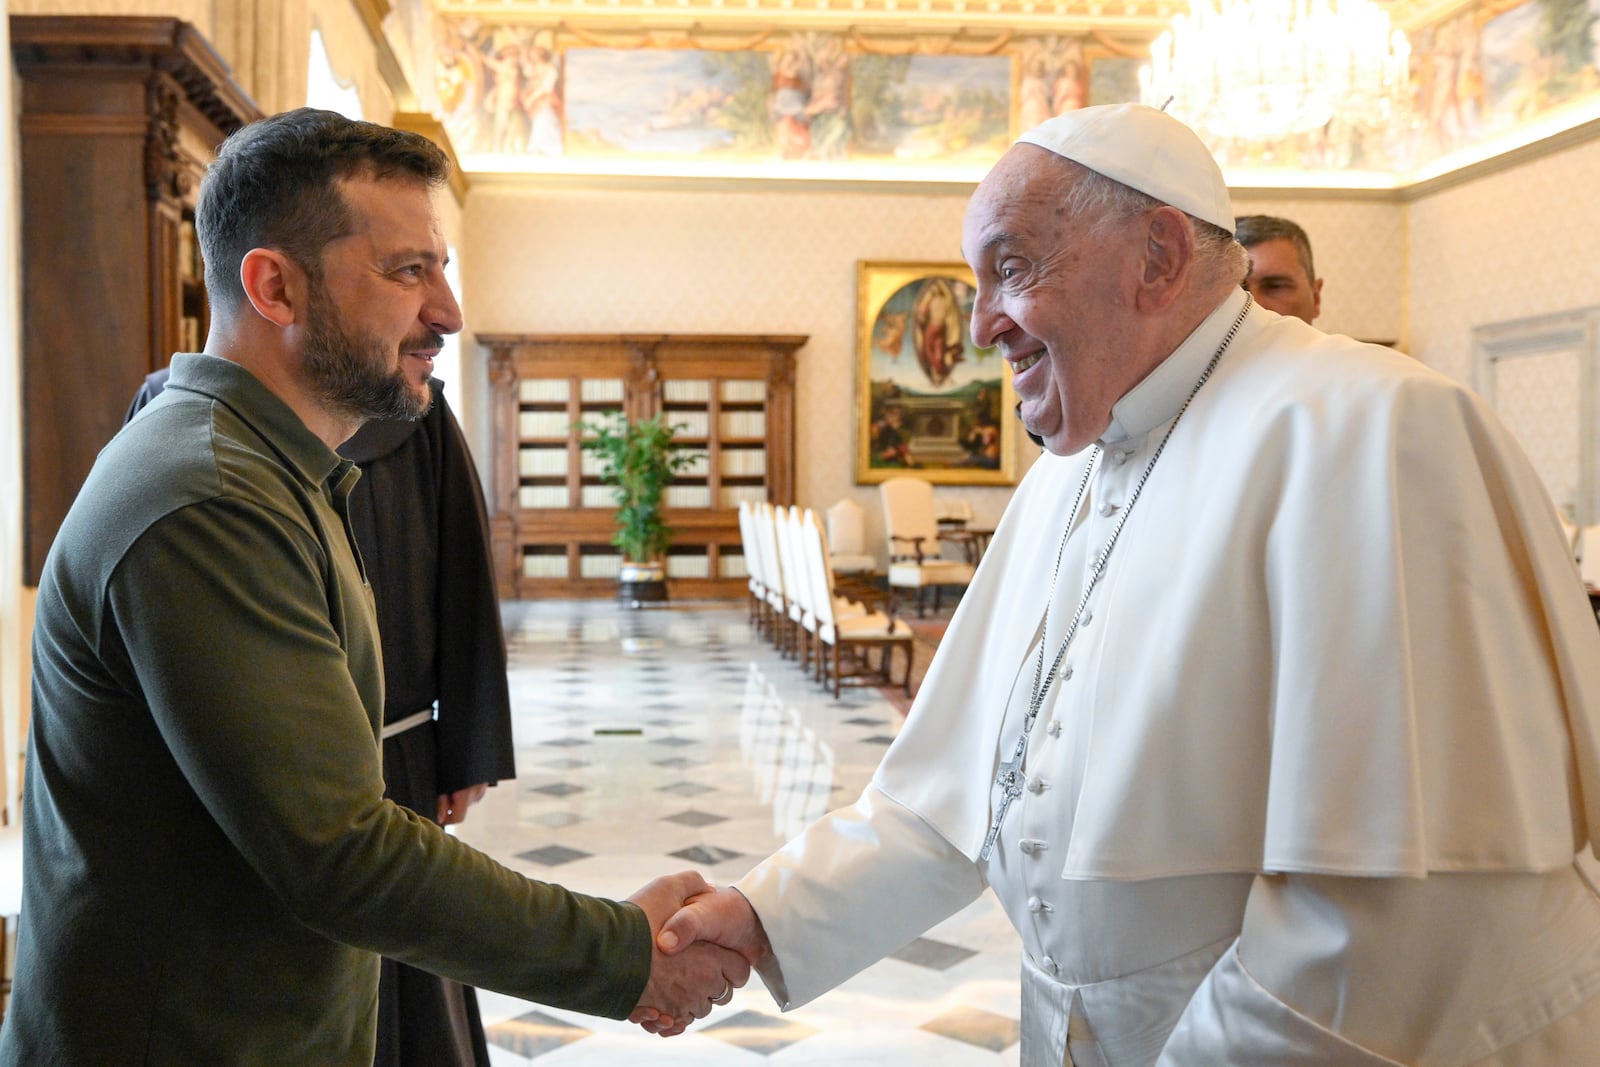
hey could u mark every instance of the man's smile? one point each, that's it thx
(1022, 364)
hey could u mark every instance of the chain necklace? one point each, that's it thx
(1009, 777)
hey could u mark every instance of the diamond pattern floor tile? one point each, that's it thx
(552, 855)
(977, 1027)
(686, 789)
(758, 1031)
(695, 818)
(710, 855)
(934, 955)
(557, 789)
(534, 1034)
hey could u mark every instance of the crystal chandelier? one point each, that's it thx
(1258, 70)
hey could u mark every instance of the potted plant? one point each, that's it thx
(638, 458)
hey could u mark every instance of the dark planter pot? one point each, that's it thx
(642, 583)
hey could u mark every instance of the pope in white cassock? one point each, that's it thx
(1271, 715)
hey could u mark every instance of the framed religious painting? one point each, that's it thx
(928, 400)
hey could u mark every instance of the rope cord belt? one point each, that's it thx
(400, 726)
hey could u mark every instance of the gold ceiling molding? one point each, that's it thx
(709, 42)
(372, 13)
(869, 40)
(1142, 20)
(868, 16)
(431, 128)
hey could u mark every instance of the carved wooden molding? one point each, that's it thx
(434, 130)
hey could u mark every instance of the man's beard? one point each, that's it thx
(356, 374)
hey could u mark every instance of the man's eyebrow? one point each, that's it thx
(427, 255)
(995, 240)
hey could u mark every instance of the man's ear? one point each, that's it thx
(1168, 255)
(274, 284)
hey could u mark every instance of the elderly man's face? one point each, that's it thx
(1279, 282)
(1054, 298)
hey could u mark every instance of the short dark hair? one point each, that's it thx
(274, 185)
(1251, 230)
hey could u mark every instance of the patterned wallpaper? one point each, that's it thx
(1358, 245)
(1512, 244)
(1540, 399)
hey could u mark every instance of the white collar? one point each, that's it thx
(1158, 397)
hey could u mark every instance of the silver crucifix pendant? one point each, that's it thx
(1009, 782)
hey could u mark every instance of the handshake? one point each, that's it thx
(705, 942)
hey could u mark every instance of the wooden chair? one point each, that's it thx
(855, 570)
(802, 613)
(752, 564)
(781, 599)
(846, 642)
(915, 542)
(1588, 551)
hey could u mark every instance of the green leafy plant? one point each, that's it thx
(638, 459)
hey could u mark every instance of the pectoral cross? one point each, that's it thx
(1009, 781)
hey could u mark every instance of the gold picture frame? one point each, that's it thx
(928, 401)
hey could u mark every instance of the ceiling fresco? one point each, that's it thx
(933, 90)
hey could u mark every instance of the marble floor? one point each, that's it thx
(650, 741)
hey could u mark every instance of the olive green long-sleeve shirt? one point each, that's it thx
(212, 870)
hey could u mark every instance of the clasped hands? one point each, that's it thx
(705, 942)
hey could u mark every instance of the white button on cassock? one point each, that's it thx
(1036, 784)
(1054, 729)
(1030, 845)
(1107, 508)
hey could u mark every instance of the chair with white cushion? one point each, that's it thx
(752, 563)
(1589, 555)
(1573, 535)
(802, 608)
(847, 537)
(789, 635)
(771, 570)
(855, 570)
(846, 641)
(915, 542)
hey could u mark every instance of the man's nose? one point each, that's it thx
(987, 322)
(442, 313)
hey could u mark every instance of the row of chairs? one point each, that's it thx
(793, 602)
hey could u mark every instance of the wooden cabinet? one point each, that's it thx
(118, 118)
(732, 397)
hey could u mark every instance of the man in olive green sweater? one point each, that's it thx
(212, 869)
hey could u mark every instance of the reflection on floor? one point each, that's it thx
(649, 741)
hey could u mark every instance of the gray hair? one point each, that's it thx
(1105, 202)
